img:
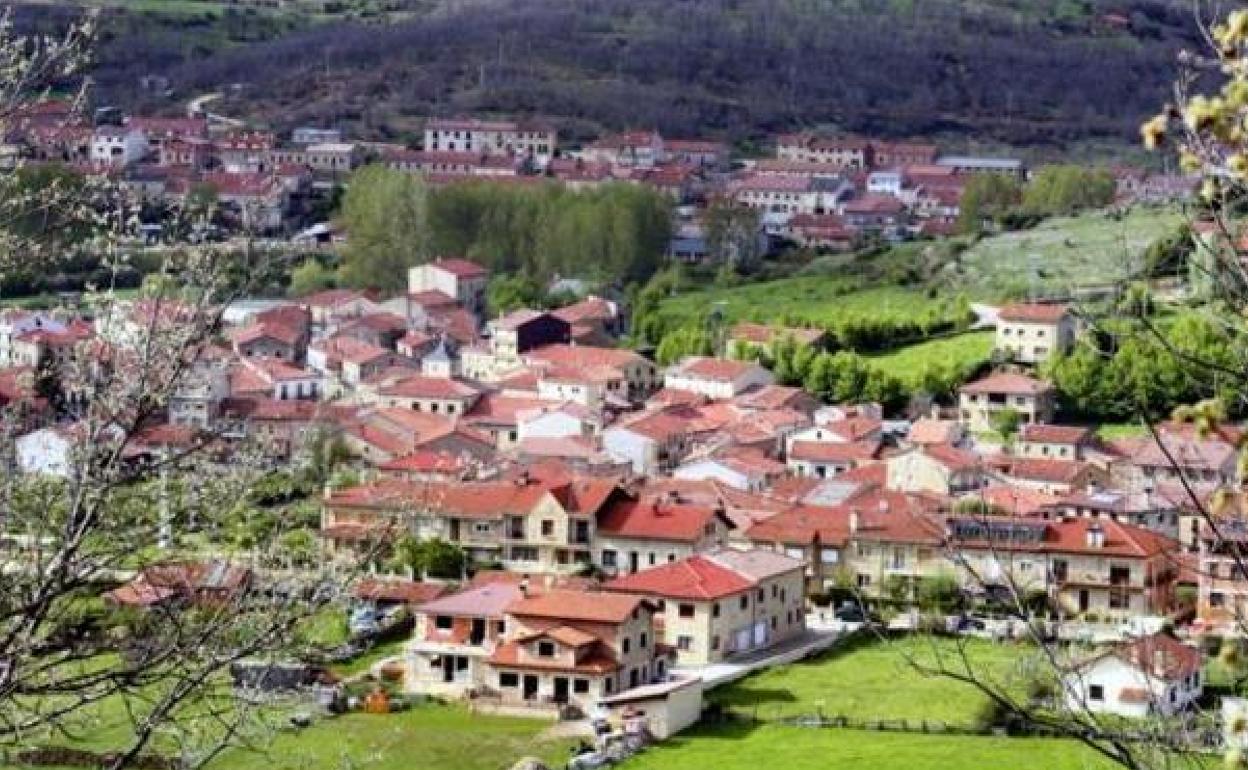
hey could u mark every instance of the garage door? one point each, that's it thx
(743, 640)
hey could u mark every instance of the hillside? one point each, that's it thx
(1012, 71)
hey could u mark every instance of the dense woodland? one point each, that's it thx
(1013, 70)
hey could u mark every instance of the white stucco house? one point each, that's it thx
(717, 378)
(1152, 675)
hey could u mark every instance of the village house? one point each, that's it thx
(347, 362)
(575, 647)
(825, 459)
(716, 378)
(979, 402)
(1031, 333)
(640, 376)
(409, 390)
(937, 468)
(461, 280)
(752, 336)
(846, 152)
(1062, 442)
(533, 140)
(650, 442)
(1086, 565)
(117, 146)
(738, 467)
(634, 534)
(1152, 676)
(454, 637)
(723, 602)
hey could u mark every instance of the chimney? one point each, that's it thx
(524, 585)
(1095, 536)
(523, 479)
(854, 520)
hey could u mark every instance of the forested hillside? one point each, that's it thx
(1018, 71)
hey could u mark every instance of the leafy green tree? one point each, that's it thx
(385, 213)
(506, 293)
(1006, 422)
(310, 277)
(987, 197)
(940, 593)
(1066, 189)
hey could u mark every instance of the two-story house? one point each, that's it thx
(979, 402)
(723, 602)
(1029, 333)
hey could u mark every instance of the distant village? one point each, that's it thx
(818, 191)
(635, 529)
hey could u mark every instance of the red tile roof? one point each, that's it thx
(695, 578)
(397, 590)
(827, 452)
(584, 356)
(717, 369)
(658, 520)
(599, 662)
(1033, 312)
(1041, 433)
(591, 606)
(1008, 383)
(420, 386)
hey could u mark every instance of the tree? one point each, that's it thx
(732, 235)
(126, 496)
(985, 198)
(1067, 189)
(385, 213)
(310, 277)
(1006, 422)
(506, 293)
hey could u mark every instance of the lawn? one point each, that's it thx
(425, 737)
(871, 679)
(1060, 253)
(738, 747)
(965, 351)
(429, 737)
(812, 299)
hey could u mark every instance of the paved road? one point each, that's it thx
(729, 671)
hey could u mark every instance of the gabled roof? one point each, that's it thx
(460, 268)
(828, 452)
(489, 600)
(1033, 312)
(592, 606)
(696, 577)
(421, 386)
(658, 520)
(1158, 655)
(1041, 433)
(1008, 383)
(715, 369)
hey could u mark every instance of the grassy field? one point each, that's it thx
(1061, 253)
(871, 680)
(878, 680)
(814, 300)
(965, 351)
(423, 738)
(739, 747)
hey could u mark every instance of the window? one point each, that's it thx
(762, 595)
(1096, 692)
(626, 645)
(547, 649)
(715, 642)
(608, 558)
(443, 622)
(829, 556)
(775, 591)
(580, 686)
(508, 680)
(642, 640)
(500, 627)
(715, 610)
(548, 528)
(686, 610)
(745, 601)
(684, 643)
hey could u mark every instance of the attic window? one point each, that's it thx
(546, 649)
(1096, 692)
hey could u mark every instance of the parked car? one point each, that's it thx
(855, 613)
